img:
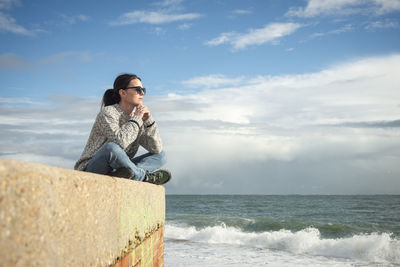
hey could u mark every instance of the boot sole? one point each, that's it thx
(169, 176)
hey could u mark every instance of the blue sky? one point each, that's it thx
(291, 96)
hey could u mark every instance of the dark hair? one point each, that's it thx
(111, 96)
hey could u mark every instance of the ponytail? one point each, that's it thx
(110, 98)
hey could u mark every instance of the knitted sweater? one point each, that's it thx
(113, 125)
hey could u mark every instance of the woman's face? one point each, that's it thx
(131, 96)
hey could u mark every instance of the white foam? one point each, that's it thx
(367, 247)
(196, 254)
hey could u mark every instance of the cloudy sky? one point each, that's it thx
(251, 97)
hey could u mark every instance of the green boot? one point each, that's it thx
(122, 173)
(158, 177)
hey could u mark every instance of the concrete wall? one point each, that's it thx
(51, 216)
(149, 253)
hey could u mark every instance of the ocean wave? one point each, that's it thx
(263, 224)
(373, 247)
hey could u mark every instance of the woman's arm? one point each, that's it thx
(151, 139)
(124, 135)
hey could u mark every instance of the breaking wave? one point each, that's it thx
(373, 247)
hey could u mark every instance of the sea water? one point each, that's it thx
(255, 230)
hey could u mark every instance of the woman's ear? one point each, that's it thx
(121, 92)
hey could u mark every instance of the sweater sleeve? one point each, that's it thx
(151, 139)
(124, 135)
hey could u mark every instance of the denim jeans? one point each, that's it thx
(112, 157)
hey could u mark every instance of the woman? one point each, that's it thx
(123, 124)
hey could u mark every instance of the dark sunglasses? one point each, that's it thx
(138, 89)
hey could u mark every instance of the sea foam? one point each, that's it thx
(374, 247)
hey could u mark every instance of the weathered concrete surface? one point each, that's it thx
(51, 216)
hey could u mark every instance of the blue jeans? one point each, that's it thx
(112, 157)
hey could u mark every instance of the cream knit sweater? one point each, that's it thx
(113, 125)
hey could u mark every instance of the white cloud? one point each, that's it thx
(242, 12)
(74, 19)
(158, 31)
(11, 61)
(15, 100)
(9, 24)
(325, 7)
(167, 11)
(168, 3)
(344, 7)
(54, 160)
(226, 37)
(345, 28)
(7, 4)
(343, 93)
(20, 120)
(387, 24)
(50, 134)
(153, 17)
(60, 57)
(289, 118)
(387, 6)
(269, 34)
(213, 81)
(184, 26)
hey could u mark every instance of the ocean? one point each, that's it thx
(293, 230)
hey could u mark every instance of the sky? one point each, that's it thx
(250, 97)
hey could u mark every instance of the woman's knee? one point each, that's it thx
(163, 157)
(112, 148)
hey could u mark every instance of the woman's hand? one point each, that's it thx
(143, 112)
(146, 113)
(139, 111)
